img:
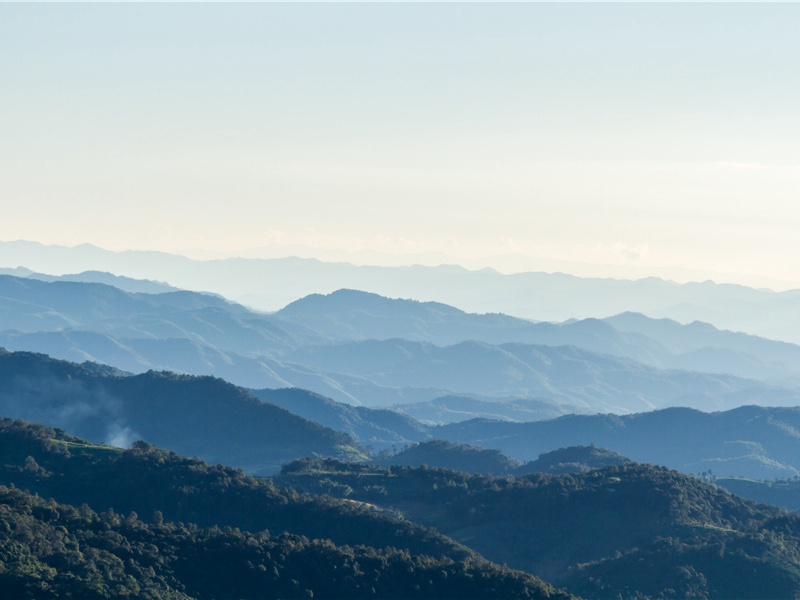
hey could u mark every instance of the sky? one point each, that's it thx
(594, 138)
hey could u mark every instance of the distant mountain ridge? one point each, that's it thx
(350, 315)
(270, 284)
(374, 427)
(204, 334)
(593, 382)
(748, 441)
(126, 284)
(454, 409)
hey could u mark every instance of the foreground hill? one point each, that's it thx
(749, 441)
(52, 549)
(629, 531)
(198, 416)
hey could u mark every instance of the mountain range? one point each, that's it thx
(259, 431)
(270, 284)
(750, 441)
(585, 366)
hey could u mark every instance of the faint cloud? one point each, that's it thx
(621, 250)
(509, 244)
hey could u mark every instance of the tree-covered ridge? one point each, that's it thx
(630, 530)
(147, 480)
(459, 457)
(469, 458)
(52, 550)
(574, 459)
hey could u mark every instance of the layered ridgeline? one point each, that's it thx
(253, 540)
(473, 459)
(219, 422)
(628, 531)
(755, 442)
(271, 284)
(127, 284)
(351, 315)
(585, 366)
(197, 416)
(749, 441)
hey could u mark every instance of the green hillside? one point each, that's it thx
(52, 550)
(627, 531)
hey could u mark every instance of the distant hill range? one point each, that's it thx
(585, 366)
(454, 409)
(749, 441)
(371, 427)
(259, 430)
(306, 345)
(349, 315)
(270, 284)
(197, 416)
(126, 284)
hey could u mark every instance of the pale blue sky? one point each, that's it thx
(640, 135)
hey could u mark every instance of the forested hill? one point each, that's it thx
(146, 479)
(629, 531)
(574, 459)
(459, 457)
(196, 416)
(50, 549)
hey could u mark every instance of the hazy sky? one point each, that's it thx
(646, 135)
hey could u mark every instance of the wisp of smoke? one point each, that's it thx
(120, 436)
